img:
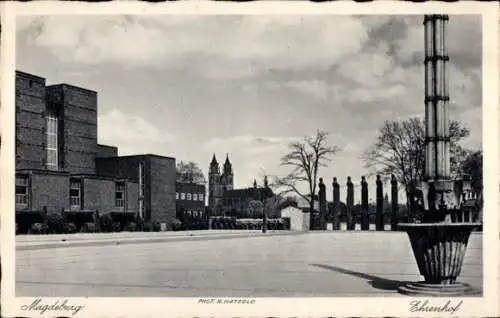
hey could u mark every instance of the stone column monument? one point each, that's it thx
(379, 216)
(350, 204)
(394, 202)
(365, 222)
(336, 203)
(439, 242)
(322, 205)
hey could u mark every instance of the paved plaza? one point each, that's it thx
(324, 264)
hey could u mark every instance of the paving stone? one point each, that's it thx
(313, 264)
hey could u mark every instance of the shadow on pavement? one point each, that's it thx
(374, 281)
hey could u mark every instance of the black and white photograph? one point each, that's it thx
(225, 158)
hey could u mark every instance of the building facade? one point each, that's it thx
(61, 168)
(155, 176)
(235, 202)
(190, 200)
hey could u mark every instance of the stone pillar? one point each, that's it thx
(322, 204)
(379, 216)
(437, 160)
(365, 222)
(394, 201)
(336, 203)
(350, 203)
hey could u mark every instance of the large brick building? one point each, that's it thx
(155, 176)
(190, 198)
(61, 168)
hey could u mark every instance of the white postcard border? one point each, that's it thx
(189, 307)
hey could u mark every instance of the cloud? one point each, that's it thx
(252, 156)
(368, 68)
(168, 41)
(132, 134)
(249, 144)
(461, 29)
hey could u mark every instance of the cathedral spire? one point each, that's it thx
(228, 168)
(214, 165)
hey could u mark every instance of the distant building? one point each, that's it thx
(223, 199)
(299, 220)
(155, 176)
(60, 167)
(219, 182)
(190, 200)
(235, 202)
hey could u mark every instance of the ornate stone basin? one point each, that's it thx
(439, 249)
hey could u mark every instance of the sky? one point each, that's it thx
(190, 86)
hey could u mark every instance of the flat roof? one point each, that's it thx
(103, 145)
(101, 177)
(42, 171)
(29, 75)
(78, 88)
(140, 155)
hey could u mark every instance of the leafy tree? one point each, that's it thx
(272, 206)
(473, 166)
(400, 150)
(305, 158)
(255, 208)
(189, 172)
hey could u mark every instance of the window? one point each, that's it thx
(188, 196)
(120, 194)
(52, 142)
(183, 196)
(75, 193)
(195, 197)
(22, 190)
(141, 208)
(200, 196)
(195, 213)
(141, 189)
(141, 179)
(177, 195)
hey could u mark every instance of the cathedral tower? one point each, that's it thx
(227, 179)
(213, 183)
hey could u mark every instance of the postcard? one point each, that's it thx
(257, 159)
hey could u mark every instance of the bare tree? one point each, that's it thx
(400, 150)
(306, 157)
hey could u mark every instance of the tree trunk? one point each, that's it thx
(264, 222)
(311, 215)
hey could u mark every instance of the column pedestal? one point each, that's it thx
(439, 250)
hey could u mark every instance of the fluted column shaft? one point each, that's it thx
(437, 161)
